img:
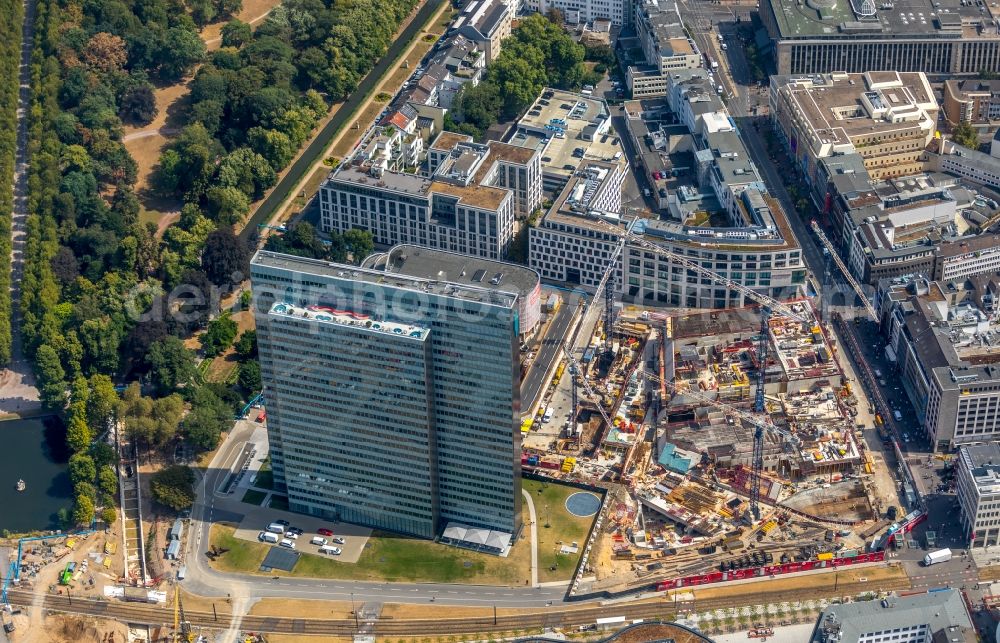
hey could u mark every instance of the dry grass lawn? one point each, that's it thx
(296, 608)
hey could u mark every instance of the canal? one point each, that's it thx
(34, 450)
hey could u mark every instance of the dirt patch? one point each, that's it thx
(68, 629)
(253, 12)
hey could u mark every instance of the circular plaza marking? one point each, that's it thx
(583, 504)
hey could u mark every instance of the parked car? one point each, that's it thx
(282, 522)
(323, 531)
(295, 530)
(340, 540)
(289, 544)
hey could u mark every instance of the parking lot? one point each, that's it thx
(256, 520)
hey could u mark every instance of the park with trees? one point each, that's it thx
(106, 297)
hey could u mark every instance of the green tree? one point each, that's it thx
(101, 403)
(78, 435)
(102, 454)
(138, 104)
(225, 258)
(273, 145)
(107, 481)
(965, 135)
(182, 49)
(227, 205)
(249, 376)
(220, 335)
(83, 510)
(247, 171)
(236, 33)
(359, 243)
(51, 377)
(173, 487)
(208, 417)
(81, 468)
(246, 345)
(109, 515)
(171, 364)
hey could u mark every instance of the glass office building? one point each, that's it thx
(392, 399)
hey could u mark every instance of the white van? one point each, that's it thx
(329, 549)
(288, 543)
(318, 540)
(548, 415)
(181, 572)
(276, 528)
(267, 537)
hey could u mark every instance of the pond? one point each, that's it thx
(33, 450)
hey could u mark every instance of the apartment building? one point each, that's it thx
(971, 101)
(942, 336)
(577, 12)
(486, 23)
(665, 48)
(567, 129)
(977, 483)
(822, 36)
(393, 393)
(886, 117)
(468, 203)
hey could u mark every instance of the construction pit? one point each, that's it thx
(679, 395)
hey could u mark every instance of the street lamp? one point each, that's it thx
(354, 611)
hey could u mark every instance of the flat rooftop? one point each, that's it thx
(943, 612)
(573, 205)
(983, 462)
(501, 295)
(834, 105)
(441, 265)
(899, 19)
(578, 119)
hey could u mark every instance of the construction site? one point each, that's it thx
(668, 406)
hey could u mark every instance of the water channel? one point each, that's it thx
(33, 450)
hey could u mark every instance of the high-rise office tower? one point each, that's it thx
(393, 390)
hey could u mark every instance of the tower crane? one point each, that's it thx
(844, 270)
(768, 306)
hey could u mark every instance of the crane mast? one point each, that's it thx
(869, 308)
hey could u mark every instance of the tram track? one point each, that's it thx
(557, 617)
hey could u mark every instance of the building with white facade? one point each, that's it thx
(943, 337)
(888, 118)
(972, 165)
(665, 47)
(467, 202)
(930, 617)
(573, 242)
(580, 11)
(977, 483)
(487, 23)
